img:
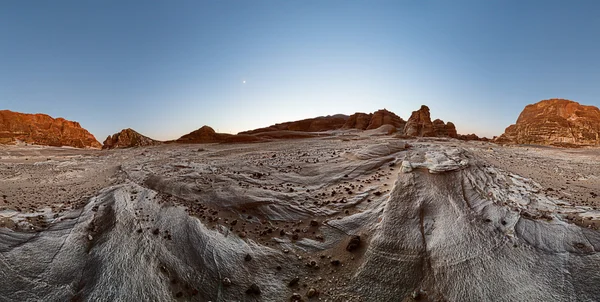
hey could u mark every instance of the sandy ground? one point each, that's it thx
(355, 217)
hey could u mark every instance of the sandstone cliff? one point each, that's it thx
(555, 122)
(128, 138)
(41, 129)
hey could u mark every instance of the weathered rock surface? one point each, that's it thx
(42, 129)
(207, 134)
(556, 122)
(420, 124)
(128, 138)
(235, 223)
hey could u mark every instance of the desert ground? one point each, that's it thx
(355, 216)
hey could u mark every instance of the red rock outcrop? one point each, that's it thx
(557, 122)
(42, 129)
(358, 120)
(322, 123)
(384, 117)
(472, 137)
(420, 124)
(207, 134)
(444, 129)
(128, 138)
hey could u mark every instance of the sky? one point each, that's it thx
(166, 68)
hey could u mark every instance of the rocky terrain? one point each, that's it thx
(128, 138)
(41, 129)
(345, 217)
(556, 122)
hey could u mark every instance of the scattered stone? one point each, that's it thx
(253, 290)
(311, 292)
(353, 244)
(226, 281)
(248, 257)
(296, 297)
(294, 281)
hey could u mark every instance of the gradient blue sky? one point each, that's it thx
(166, 68)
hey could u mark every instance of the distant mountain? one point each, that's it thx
(128, 138)
(42, 129)
(556, 122)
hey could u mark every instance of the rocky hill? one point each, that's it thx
(317, 124)
(207, 134)
(364, 121)
(556, 122)
(42, 129)
(128, 138)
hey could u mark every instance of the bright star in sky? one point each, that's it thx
(244, 82)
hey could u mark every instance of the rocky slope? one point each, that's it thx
(556, 122)
(41, 129)
(420, 124)
(128, 138)
(207, 134)
(322, 123)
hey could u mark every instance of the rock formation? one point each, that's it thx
(420, 124)
(358, 120)
(41, 129)
(322, 123)
(363, 121)
(444, 129)
(555, 122)
(207, 134)
(472, 137)
(128, 138)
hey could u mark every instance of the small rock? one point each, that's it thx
(314, 223)
(294, 281)
(353, 244)
(296, 297)
(311, 292)
(226, 281)
(253, 290)
(248, 257)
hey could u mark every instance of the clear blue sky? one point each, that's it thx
(166, 68)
